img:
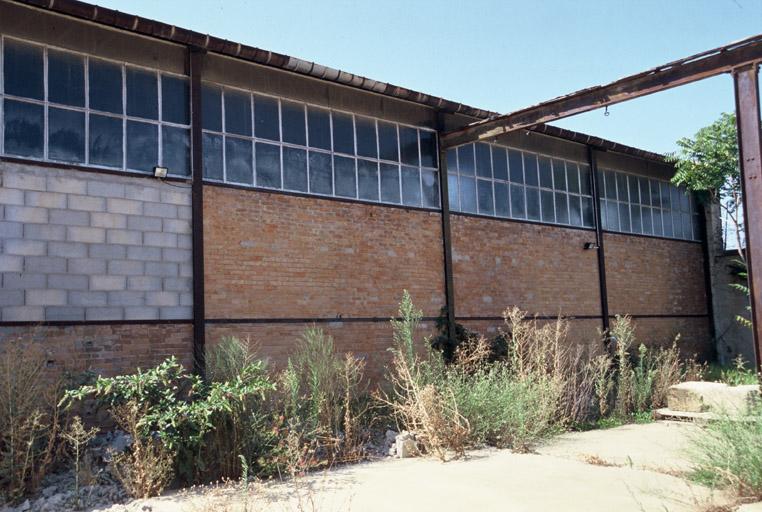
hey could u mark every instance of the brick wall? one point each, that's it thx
(84, 246)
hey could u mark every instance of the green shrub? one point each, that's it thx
(736, 375)
(464, 338)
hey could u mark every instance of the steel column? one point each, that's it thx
(595, 186)
(446, 238)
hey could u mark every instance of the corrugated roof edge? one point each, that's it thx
(157, 29)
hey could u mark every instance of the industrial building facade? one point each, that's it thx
(300, 195)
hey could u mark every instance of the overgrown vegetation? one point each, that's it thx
(736, 375)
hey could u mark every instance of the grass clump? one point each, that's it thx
(738, 374)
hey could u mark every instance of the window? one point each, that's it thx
(68, 107)
(309, 149)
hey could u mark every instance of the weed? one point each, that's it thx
(77, 437)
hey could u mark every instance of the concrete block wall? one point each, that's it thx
(88, 246)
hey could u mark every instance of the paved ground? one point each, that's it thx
(590, 471)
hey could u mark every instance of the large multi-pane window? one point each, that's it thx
(494, 180)
(635, 204)
(68, 107)
(263, 141)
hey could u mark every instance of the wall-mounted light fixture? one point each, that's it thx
(160, 172)
(590, 246)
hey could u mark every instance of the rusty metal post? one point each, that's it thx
(750, 152)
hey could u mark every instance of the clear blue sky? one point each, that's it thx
(498, 55)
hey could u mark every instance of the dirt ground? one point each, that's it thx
(631, 468)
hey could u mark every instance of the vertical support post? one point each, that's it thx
(446, 238)
(596, 189)
(195, 62)
(750, 153)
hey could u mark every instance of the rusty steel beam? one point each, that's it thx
(750, 153)
(684, 71)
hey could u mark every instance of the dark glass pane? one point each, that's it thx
(175, 143)
(238, 162)
(484, 196)
(657, 222)
(572, 177)
(636, 224)
(467, 195)
(647, 222)
(612, 216)
(105, 83)
(624, 217)
(343, 134)
(430, 183)
(466, 160)
(293, 123)
(390, 183)
(175, 100)
(483, 160)
(344, 176)
(452, 160)
(666, 201)
(575, 211)
(142, 146)
(516, 166)
(533, 203)
(266, 123)
(428, 148)
(66, 78)
(142, 94)
(105, 141)
(321, 174)
(548, 209)
(452, 192)
(632, 185)
(211, 107)
(562, 208)
(559, 175)
(610, 184)
(645, 192)
(499, 163)
(408, 148)
(366, 137)
(66, 135)
(367, 179)
(604, 221)
(295, 169)
(237, 113)
(687, 225)
(518, 206)
(546, 173)
(319, 125)
(411, 186)
(685, 201)
(23, 129)
(653, 185)
(502, 204)
(585, 180)
(23, 70)
(530, 169)
(621, 188)
(387, 142)
(588, 216)
(212, 148)
(268, 165)
(669, 226)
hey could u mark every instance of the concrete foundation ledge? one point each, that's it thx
(715, 397)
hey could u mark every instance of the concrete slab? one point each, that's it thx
(712, 397)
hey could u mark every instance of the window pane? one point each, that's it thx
(66, 135)
(105, 141)
(23, 70)
(211, 107)
(467, 195)
(366, 137)
(636, 221)
(518, 208)
(621, 188)
(66, 78)
(669, 229)
(175, 100)
(645, 192)
(452, 160)
(321, 174)
(572, 177)
(430, 182)
(293, 123)
(175, 143)
(546, 173)
(387, 142)
(530, 169)
(533, 203)
(212, 148)
(105, 84)
(685, 201)
(238, 164)
(343, 134)
(647, 222)
(142, 94)
(453, 194)
(657, 220)
(624, 217)
(483, 161)
(23, 129)
(575, 211)
(653, 185)
(344, 176)
(516, 165)
(584, 180)
(390, 183)
(428, 148)
(319, 126)
(562, 208)
(484, 194)
(237, 113)
(588, 216)
(466, 160)
(411, 186)
(559, 175)
(295, 169)
(142, 146)
(687, 225)
(268, 165)
(612, 216)
(367, 179)
(632, 185)
(266, 122)
(666, 201)
(502, 204)
(408, 148)
(499, 163)
(610, 184)
(548, 209)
